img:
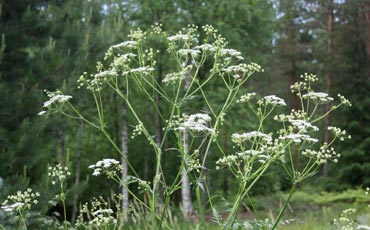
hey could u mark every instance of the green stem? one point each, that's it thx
(64, 213)
(200, 206)
(234, 211)
(22, 221)
(282, 210)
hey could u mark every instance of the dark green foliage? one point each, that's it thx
(48, 44)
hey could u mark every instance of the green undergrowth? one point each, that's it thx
(311, 209)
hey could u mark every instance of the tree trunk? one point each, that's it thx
(185, 180)
(367, 16)
(78, 169)
(329, 78)
(124, 148)
(293, 78)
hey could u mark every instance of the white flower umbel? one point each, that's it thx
(146, 70)
(178, 37)
(246, 98)
(126, 44)
(344, 100)
(20, 201)
(303, 125)
(59, 173)
(99, 215)
(341, 134)
(272, 100)
(196, 123)
(206, 48)
(173, 78)
(318, 97)
(240, 138)
(323, 155)
(55, 98)
(104, 166)
(298, 138)
(186, 52)
(231, 53)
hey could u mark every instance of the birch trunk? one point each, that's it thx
(124, 148)
(185, 180)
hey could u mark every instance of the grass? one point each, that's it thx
(313, 210)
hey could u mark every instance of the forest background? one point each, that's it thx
(49, 44)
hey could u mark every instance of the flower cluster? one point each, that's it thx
(20, 201)
(295, 114)
(100, 214)
(303, 126)
(271, 100)
(55, 98)
(126, 44)
(157, 28)
(59, 173)
(246, 98)
(143, 185)
(138, 130)
(309, 77)
(241, 70)
(228, 161)
(192, 162)
(121, 63)
(345, 221)
(178, 37)
(298, 138)
(173, 78)
(344, 100)
(339, 133)
(264, 152)
(137, 35)
(206, 48)
(108, 166)
(240, 138)
(323, 155)
(298, 86)
(96, 82)
(230, 53)
(318, 97)
(196, 123)
(186, 52)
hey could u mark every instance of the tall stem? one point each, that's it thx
(282, 210)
